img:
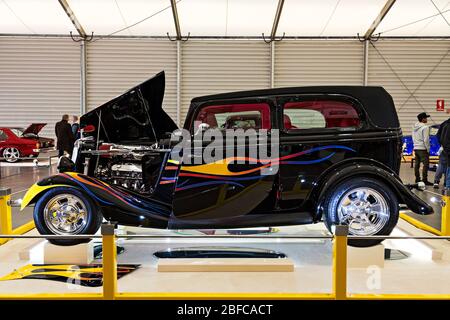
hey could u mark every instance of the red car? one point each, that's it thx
(16, 143)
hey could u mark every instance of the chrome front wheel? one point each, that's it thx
(65, 214)
(67, 211)
(364, 210)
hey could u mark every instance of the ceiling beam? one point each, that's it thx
(73, 18)
(379, 18)
(173, 3)
(273, 33)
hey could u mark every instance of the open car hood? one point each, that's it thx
(34, 128)
(135, 117)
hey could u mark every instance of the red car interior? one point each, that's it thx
(208, 114)
(337, 114)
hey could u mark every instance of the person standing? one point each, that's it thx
(443, 136)
(441, 168)
(75, 128)
(64, 136)
(421, 141)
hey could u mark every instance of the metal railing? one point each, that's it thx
(45, 157)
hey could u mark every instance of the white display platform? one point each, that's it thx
(47, 253)
(365, 257)
(225, 265)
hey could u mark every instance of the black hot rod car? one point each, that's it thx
(339, 151)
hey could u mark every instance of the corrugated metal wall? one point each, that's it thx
(115, 65)
(210, 67)
(39, 81)
(40, 77)
(419, 67)
(317, 62)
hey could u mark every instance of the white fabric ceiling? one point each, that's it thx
(226, 17)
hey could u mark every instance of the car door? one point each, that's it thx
(235, 185)
(315, 135)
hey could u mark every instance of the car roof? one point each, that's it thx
(373, 98)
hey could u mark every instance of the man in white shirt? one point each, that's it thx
(421, 140)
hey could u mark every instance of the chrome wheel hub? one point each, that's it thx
(364, 210)
(11, 154)
(65, 214)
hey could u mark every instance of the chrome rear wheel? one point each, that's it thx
(11, 154)
(368, 206)
(364, 210)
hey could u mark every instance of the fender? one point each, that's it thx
(128, 208)
(35, 192)
(367, 168)
(68, 179)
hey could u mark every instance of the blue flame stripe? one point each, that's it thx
(207, 183)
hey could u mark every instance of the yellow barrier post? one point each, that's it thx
(5, 213)
(340, 262)
(109, 262)
(445, 213)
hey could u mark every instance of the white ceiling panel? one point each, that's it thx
(220, 18)
(33, 17)
(328, 17)
(416, 18)
(227, 17)
(104, 17)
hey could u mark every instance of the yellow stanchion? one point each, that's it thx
(5, 213)
(340, 262)
(445, 213)
(109, 262)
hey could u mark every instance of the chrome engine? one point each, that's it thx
(125, 174)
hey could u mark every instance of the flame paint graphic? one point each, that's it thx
(220, 174)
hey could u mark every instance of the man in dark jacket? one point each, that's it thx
(443, 136)
(64, 135)
(75, 127)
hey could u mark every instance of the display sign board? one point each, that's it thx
(440, 105)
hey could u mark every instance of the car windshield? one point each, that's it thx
(18, 132)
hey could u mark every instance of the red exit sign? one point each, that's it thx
(440, 105)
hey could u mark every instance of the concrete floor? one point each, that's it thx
(419, 273)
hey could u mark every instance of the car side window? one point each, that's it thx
(3, 136)
(320, 113)
(235, 116)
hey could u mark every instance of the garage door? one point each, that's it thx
(115, 65)
(39, 81)
(420, 67)
(316, 62)
(210, 67)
